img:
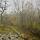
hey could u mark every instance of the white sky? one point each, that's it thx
(11, 4)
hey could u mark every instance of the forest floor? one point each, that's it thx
(8, 29)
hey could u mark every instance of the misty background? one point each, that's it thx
(20, 16)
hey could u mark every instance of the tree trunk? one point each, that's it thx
(1, 17)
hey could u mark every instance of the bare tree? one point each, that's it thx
(3, 7)
(38, 3)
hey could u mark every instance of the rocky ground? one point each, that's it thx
(10, 36)
(15, 36)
